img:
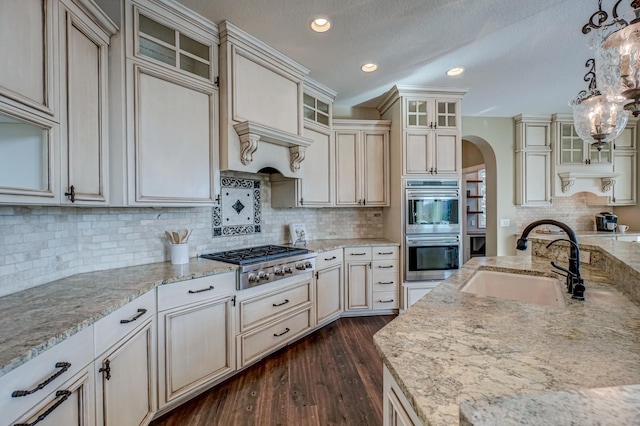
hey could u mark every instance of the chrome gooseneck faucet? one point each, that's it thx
(575, 283)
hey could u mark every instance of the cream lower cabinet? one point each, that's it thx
(371, 279)
(272, 315)
(195, 336)
(56, 386)
(396, 410)
(125, 367)
(71, 405)
(412, 292)
(362, 162)
(329, 286)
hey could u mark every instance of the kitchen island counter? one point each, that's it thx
(452, 347)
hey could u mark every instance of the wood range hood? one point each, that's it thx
(261, 95)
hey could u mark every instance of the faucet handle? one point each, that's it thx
(578, 290)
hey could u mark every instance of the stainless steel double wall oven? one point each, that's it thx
(432, 229)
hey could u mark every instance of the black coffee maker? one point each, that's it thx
(606, 222)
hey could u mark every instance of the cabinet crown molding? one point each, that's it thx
(230, 33)
(399, 91)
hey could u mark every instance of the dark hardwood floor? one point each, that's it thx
(331, 377)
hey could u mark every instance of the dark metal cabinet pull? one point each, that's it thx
(286, 330)
(385, 253)
(385, 283)
(358, 254)
(280, 304)
(106, 369)
(201, 290)
(71, 194)
(62, 394)
(331, 258)
(140, 313)
(385, 301)
(63, 366)
(385, 267)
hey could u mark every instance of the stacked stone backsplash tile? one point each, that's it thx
(573, 211)
(42, 244)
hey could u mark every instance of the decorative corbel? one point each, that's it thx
(607, 183)
(567, 183)
(249, 144)
(296, 156)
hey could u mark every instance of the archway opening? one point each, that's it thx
(491, 185)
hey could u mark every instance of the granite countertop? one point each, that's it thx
(37, 319)
(326, 245)
(452, 347)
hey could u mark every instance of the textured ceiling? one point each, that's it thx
(520, 56)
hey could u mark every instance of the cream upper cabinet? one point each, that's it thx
(316, 187)
(432, 152)
(53, 103)
(625, 189)
(84, 129)
(608, 173)
(362, 162)
(433, 113)
(432, 135)
(427, 131)
(167, 153)
(533, 160)
(29, 76)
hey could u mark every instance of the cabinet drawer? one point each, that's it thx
(187, 292)
(385, 300)
(385, 252)
(61, 362)
(328, 258)
(263, 308)
(110, 329)
(387, 281)
(357, 253)
(259, 343)
(384, 266)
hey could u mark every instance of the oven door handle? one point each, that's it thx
(413, 194)
(412, 242)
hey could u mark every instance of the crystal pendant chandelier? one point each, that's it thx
(616, 44)
(596, 119)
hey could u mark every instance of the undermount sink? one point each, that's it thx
(522, 288)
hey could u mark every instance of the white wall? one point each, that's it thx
(42, 244)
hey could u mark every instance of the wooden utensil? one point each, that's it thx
(169, 236)
(184, 232)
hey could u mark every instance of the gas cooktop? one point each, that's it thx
(252, 255)
(264, 264)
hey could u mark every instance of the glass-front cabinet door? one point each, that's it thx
(26, 154)
(574, 150)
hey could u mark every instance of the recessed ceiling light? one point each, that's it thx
(369, 67)
(320, 25)
(455, 71)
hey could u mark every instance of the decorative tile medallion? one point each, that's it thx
(239, 210)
